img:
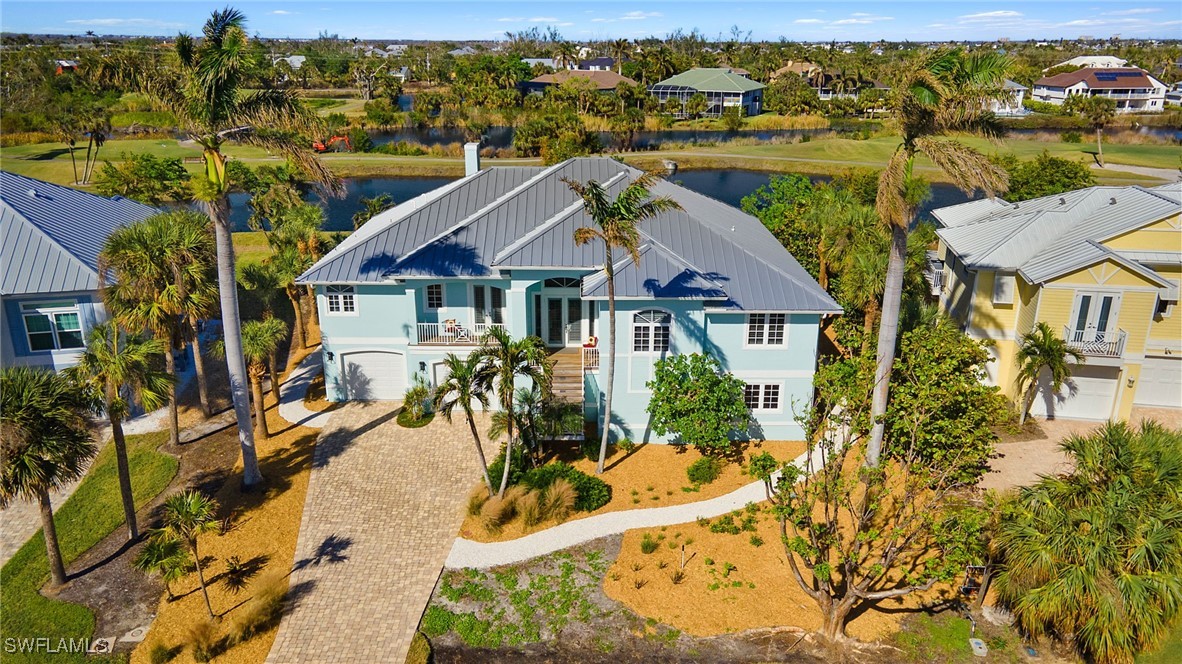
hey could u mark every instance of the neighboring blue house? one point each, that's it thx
(50, 238)
(496, 248)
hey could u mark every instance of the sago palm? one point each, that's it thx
(502, 361)
(120, 369)
(212, 105)
(942, 92)
(460, 389)
(187, 516)
(617, 227)
(260, 344)
(164, 555)
(1095, 556)
(46, 444)
(1042, 351)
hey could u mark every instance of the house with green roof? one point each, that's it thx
(723, 87)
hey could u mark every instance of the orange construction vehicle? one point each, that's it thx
(322, 146)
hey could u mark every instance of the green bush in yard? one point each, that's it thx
(704, 470)
(591, 492)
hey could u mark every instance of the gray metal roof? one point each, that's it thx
(51, 236)
(1046, 237)
(955, 215)
(526, 218)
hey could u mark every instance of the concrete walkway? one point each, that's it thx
(384, 504)
(295, 388)
(466, 553)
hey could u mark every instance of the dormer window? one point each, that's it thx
(341, 300)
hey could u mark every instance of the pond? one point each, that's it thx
(502, 137)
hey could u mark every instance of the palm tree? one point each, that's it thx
(370, 208)
(211, 103)
(97, 126)
(502, 360)
(1095, 555)
(286, 264)
(164, 555)
(863, 279)
(1098, 111)
(836, 219)
(298, 231)
(620, 49)
(566, 55)
(46, 444)
(190, 256)
(120, 369)
(265, 281)
(945, 91)
(461, 387)
(616, 226)
(260, 343)
(1041, 350)
(188, 515)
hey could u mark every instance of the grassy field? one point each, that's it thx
(90, 514)
(1170, 651)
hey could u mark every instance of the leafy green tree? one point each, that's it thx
(1095, 555)
(164, 555)
(370, 208)
(120, 369)
(502, 361)
(617, 227)
(145, 178)
(781, 205)
(46, 444)
(940, 92)
(696, 105)
(187, 516)
(694, 400)
(460, 389)
(732, 118)
(1041, 351)
(790, 95)
(1045, 175)
(211, 103)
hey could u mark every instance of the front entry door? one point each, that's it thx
(564, 321)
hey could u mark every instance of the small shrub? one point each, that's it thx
(648, 544)
(637, 566)
(726, 524)
(727, 568)
(704, 470)
(627, 445)
(591, 492)
(559, 500)
(517, 470)
(202, 640)
(639, 583)
(263, 610)
(615, 576)
(420, 650)
(498, 511)
(689, 541)
(589, 449)
(529, 507)
(415, 399)
(162, 654)
(477, 499)
(756, 540)
(1071, 137)
(662, 564)
(709, 562)
(677, 576)
(437, 621)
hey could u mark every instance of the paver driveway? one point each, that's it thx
(384, 505)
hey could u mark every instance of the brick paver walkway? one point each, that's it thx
(384, 504)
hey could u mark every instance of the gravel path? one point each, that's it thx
(466, 553)
(295, 388)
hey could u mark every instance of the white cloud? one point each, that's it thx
(601, 20)
(543, 19)
(985, 16)
(282, 12)
(1134, 11)
(853, 21)
(636, 16)
(808, 21)
(1084, 22)
(125, 22)
(511, 19)
(565, 24)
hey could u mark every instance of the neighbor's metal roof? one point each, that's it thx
(713, 79)
(1046, 237)
(51, 235)
(526, 218)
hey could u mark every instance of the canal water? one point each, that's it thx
(726, 185)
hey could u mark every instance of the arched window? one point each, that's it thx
(562, 282)
(650, 331)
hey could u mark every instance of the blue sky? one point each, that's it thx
(480, 19)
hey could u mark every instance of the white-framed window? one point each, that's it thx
(488, 304)
(342, 300)
(650, 331)
(1004, 286)
(762, 397)
(434, 296)
(766, 329)
(52, 325)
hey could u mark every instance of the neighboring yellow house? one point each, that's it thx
(1100, 265)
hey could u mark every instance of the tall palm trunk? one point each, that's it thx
(1027, 401)
(822, 267)
(201, 577)
(1099, 147)
(888, 333)
(199, 369)
(73, 161)
(508, 451)
(611, 362)
(293, 294)
(260, 406)
(480, 452)
(86, 160)
(313, 313)
(124, 470)
(219, 212)
(57, 570)
(174, 427)
(274, 367)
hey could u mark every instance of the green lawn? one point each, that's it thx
(90, 514)
(1170, 651)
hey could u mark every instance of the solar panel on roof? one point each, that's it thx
(1127, 73)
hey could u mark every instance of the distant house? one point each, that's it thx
(604, 81)
(63, 66)
(293, 61)
(722, 87)
(1012, 104)
(827, 85)
(50, 238)
(1133, 90)
(462, 51)
(1093, 62)
(396, 49)
(597, 64)
(402, 74)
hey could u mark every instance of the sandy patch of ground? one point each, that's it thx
(652, 476)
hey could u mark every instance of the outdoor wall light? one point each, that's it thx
(1129, 383)
(330, 356)
(423, 366)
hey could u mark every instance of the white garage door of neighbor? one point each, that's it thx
(1087, 396)
(1161, 383)
(374, 376)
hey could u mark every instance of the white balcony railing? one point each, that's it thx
(590, 359)
(453, 333)
(1097, 344)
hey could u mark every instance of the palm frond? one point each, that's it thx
(970, 170)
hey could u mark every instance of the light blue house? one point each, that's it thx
(495, 249)
(50, 238)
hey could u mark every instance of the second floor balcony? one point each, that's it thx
(453, 332)
(1095, 343)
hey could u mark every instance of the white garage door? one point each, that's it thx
(374, 376)
(1161, 383)
(1087, 396)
